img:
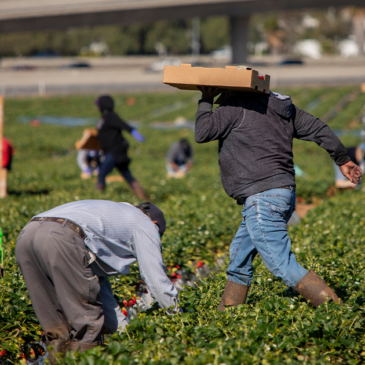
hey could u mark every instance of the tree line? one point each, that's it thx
(279, 31)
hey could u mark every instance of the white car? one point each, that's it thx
(159, 65)
(224, 53)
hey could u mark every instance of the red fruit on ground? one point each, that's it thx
(131, 101)
(177, 266)
(125, 312)
(2, 352)
(178, 276)
(126, 304)
(199, 264)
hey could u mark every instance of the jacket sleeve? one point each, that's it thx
(209, 125)
(309, 128)
(122, 125)
(147, 247)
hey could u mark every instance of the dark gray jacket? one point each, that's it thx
(255, 133)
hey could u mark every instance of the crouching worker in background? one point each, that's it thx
(179, 159)
(255, 133)
(66, 255)
(88, 161)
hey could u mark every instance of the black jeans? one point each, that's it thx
(107, 166)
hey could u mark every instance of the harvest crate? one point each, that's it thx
(89, 140)
(239, 78)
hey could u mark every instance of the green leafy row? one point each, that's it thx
(201, 223)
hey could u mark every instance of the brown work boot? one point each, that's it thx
(81, 346)
(138, 190)
(234, 294)
(313, 288)
(59, 349)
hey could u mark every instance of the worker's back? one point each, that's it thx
(255, 133)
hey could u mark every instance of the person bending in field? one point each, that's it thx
(66, 255)
(179, 159)
(88, 161)
(255, 133)
(115, 146)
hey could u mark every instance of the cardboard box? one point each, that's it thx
(89, 140)
(238, 78)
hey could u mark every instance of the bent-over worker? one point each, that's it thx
(66, 255)
(255, 133)
(179, 158)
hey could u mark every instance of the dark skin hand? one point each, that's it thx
(209, 92)
(351, 171)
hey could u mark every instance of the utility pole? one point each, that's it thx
(358, 24)
(195, 40)
(3, 172)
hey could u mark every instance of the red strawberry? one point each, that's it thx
(199, 264)
(2, 353)
(177, 266)
(178, 276)
(132, 302)
(125, 312)
(126, 304)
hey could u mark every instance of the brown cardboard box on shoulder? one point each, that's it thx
(231, 78)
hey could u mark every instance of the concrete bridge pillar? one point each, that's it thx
(239, 38)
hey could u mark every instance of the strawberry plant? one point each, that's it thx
(275, 326)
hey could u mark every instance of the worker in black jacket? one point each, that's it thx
(255, 133)
(115, 146)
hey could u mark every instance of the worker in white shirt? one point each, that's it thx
(66, 255)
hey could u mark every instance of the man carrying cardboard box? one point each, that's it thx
(255, 133)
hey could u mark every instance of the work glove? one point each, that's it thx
(137, 136)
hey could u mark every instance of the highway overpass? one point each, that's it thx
(30, 15)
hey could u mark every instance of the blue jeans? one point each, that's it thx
(108, 164)
(263, 230)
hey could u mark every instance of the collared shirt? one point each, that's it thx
(118, 234)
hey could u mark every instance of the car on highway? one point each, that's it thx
(46, 53)
(223, 53)
(159, 65)
(77, 64)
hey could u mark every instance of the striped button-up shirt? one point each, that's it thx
(118, 234)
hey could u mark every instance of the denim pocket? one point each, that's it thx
(278, 213)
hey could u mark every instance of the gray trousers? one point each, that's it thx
(62, 287)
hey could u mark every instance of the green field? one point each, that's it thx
(276, 326)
